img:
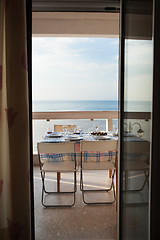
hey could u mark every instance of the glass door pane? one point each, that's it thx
(136, 98)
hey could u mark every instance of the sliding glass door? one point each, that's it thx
(135, 118)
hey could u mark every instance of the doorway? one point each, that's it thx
(99, 40)
(122, 106)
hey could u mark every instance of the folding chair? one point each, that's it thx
(57, 157)
(98, 155)
(59, 128)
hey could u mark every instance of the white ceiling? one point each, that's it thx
(73, 24)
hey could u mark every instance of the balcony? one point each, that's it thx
(85, 222)
(84, 219)
(109, 118)
(48, 120)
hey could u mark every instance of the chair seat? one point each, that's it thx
(135, 166)
(98, 165)
(66, 166)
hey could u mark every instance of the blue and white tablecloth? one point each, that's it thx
(99, 156)
(67, 137)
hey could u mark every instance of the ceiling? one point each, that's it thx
(76, 5)
(75, 24)
(112, 6)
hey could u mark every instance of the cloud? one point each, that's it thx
(71, 68)
(138, 70)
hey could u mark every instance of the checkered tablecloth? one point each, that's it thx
(66, 138)
(86, 156)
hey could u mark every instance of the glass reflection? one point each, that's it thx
(137, 119)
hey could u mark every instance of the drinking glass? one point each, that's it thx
(65, 128)
(115, 130)
(97, 127)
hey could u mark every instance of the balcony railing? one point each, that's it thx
(108, 115)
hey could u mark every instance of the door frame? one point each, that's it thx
(155, 163)
(155, 159)
(29, 64)
(154, 231)
(121, 117)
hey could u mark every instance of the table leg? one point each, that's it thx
(58, 181)
(110, 173)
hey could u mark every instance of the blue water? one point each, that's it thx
(104, 105)
(44, 106)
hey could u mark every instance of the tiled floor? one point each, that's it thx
(80, 222)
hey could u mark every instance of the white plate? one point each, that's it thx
(102, 137)
(74, 138)
(54, 135)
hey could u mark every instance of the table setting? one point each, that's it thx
(78, 136)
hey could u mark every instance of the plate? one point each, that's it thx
(54, 135)
(74, 138)
(102, 137)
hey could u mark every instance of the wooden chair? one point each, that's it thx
(57, 157)
(98, 155)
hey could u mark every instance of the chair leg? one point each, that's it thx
(43, 177)
(54, 193)
(138, 191)
(98, 190)
(75, 182)
(58, 181)
(142, 187)
(147, 177)
(81, 181)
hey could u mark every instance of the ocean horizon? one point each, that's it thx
(77, 105)
(89, 105)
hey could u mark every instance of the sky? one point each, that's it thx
(75, 68)
(138, 70)
(87, 69)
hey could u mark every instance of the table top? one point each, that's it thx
(57, 137)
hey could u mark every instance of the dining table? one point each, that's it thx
(77, 137)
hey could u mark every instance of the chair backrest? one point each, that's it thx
(136, 147)
(99, 151)
(44, 148)
(99, 146)
(56, 152)
(59, 128)
(136, 151)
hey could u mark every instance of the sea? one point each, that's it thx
(40, 127)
